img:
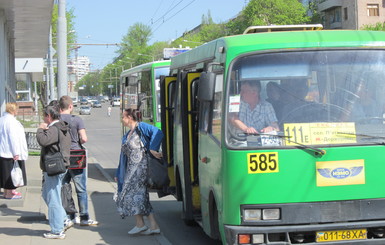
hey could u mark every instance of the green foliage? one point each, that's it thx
(269, 12)
(92, 84)
(315, 17)
(375, 27)
(136, 39)
(71, 35)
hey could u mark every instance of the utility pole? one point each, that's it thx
(62, 81)
(51, 75)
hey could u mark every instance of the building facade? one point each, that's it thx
(351, 14)
(78, 67)
(24, 30)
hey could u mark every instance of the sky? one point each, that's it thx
(106, 22)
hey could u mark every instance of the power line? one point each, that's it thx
(164, 21)
(167, 12)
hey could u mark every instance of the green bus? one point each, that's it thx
(140, 89)
(314, 172)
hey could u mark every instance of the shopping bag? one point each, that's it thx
(78, 159)
(17, 175)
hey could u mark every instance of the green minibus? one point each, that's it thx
(277, 136)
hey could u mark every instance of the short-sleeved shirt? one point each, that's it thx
(75, 123)
(260, 117)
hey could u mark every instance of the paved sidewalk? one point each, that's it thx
(24, 221)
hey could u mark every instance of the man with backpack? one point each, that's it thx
(78, 176)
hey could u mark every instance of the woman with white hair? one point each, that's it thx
(13, 147)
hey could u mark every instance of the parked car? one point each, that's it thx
(116, 102)
(97, 104)
(85, 110)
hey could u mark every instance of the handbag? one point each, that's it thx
(157, 168)
(54, 163)
(17, 175)
(157, 172)
(78, 159)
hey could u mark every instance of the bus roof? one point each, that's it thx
(146, 66)
(227, 48)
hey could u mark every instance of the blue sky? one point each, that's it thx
(106, 22)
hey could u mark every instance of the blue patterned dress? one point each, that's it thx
(134, 198)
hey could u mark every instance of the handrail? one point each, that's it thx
(273, 28)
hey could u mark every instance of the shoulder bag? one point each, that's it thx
(78, 157)
(54, 163)
(157, 169)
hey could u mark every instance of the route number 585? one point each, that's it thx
(262, 162)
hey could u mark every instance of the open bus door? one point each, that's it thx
(167, 95)
(189, 112)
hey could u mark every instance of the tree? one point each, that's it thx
(71, 35)
(269, 12)
(136, 39)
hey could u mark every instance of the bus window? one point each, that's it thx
(338, 89)
(217, 108)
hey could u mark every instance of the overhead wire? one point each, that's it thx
(165, 20)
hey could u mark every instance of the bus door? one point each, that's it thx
(190, 135)
(167, 103)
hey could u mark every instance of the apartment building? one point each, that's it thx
(80, 66)
(351, 14)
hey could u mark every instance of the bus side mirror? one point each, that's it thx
(206, 86)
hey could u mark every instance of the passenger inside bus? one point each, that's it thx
(293, 95)
(255, 115)
(273, 92)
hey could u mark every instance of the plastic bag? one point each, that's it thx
(17, 175)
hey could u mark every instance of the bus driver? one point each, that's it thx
(255, 115)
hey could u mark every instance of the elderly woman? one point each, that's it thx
(131, 175)
(13, 147)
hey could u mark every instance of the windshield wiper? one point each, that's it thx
(363, 135)
(319, 151)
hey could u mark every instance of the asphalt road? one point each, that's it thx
(104, 140)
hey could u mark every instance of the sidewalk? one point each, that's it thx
(23, 222)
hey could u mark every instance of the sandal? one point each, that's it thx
(16, 193)
(13, 197)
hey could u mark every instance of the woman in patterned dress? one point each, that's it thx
(133, 197)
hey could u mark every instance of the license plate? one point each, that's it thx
(342, 235)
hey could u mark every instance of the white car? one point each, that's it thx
(116, 102)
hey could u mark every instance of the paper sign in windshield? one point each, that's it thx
(235, 101)
(320, 133)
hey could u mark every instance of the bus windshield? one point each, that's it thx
(286, 99)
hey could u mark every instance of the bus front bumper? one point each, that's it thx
(305, 234)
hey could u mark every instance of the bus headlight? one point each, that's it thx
(271, 214)
(252, 215)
